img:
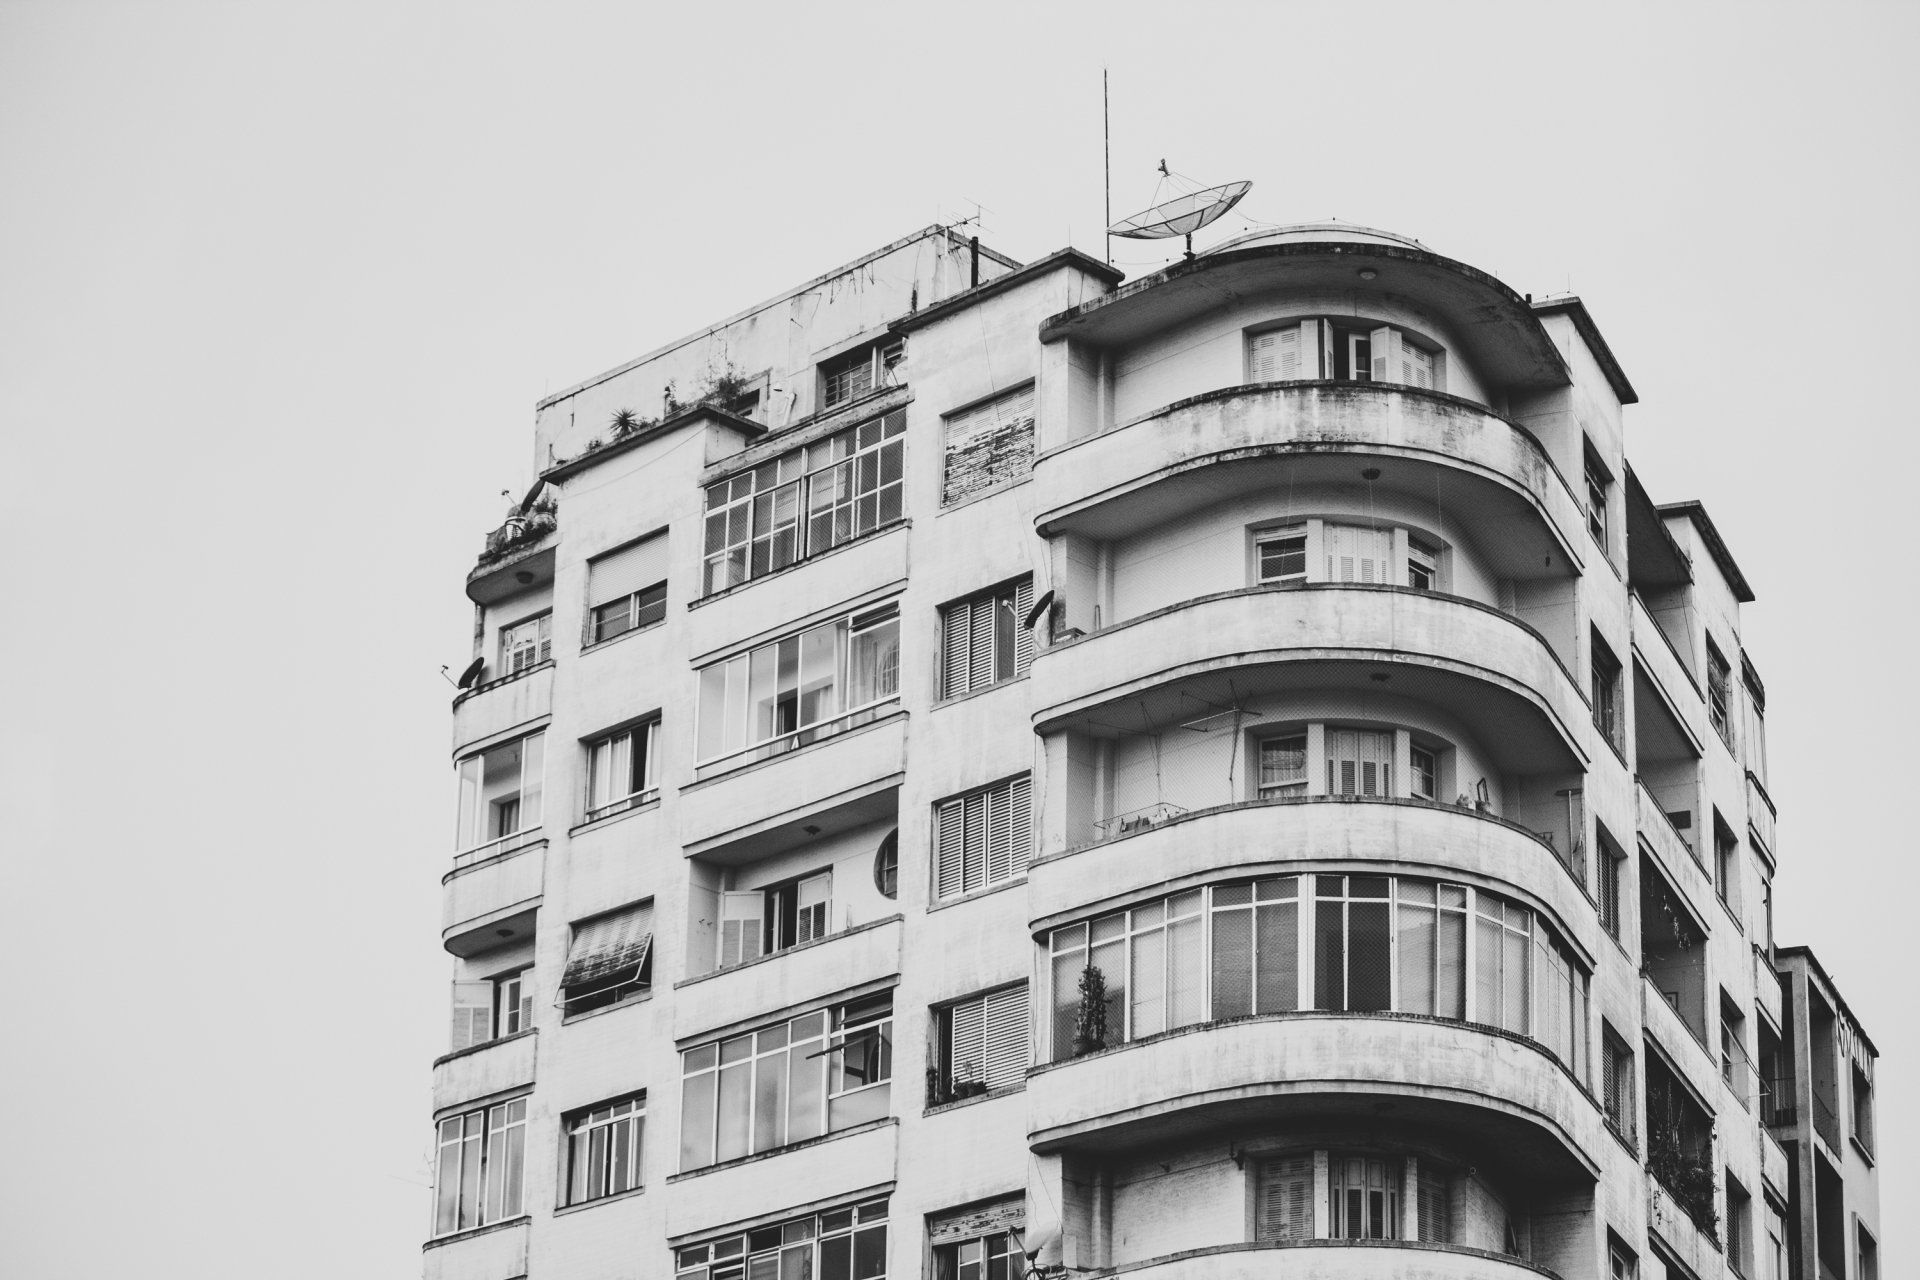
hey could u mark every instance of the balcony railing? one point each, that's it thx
(799, 738)
(621, 805)
(494, 848)
(1777, 1106)
(1137, 819)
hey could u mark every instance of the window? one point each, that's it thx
(603, 1149)
(787, 1082)
(835, 1244)
(1599, 484)
(988, 445)
(982, 838)
(1755, 734)
(792, 692)
(1739, 1226)
(980, 1044)
(1359, 762)
(627, 589)
(1610, 861)
(1720, 694)
(1283, 766)
(500, 792)
(620, 770)
(996, 1256)
(527, 643)
(1423, 565)
(1866, 1253)
(1605, 672)
(805, 501)
(481, 1164)
(1622, 1264)
(1616, 1083)
(1862, 1108)
(846, 378)
(1352, 762)
(759, 922)
(1282, 555)
(1726, 863)
(1364, 1198)
(494, 1007)
(984, 639)
(886, 866)
(1318, 550)
(1362, 943)
(610, 960)
(1338, 349)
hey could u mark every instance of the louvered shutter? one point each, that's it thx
(1005, 1037)
(1283, 1207)
(956, 636)
(950, 847)
(1019, 824)
(1358, 554)
(1287, 363)
(999, 860)
(813, 914)
(1382, 348)
(973, 855)
(980, 643)
(619, 574)
(605, 948)
(966, 1042)
(1416, 366)
(472, 1014)
(1263, 350)
(1327, 339)
(1436, 1206)
(1022, 633)
(742, 917)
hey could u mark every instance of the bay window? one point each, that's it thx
(500, 792)
(801, 1078)
(1334, 550)
(1368, 944)
(790, 692)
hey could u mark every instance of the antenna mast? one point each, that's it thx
(1106, 146)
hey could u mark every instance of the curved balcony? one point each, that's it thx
(495, 898)
(1242, 839)
(1492, 1093)
(1334, 1259)
(1489, 474)
(1493, 672)
(499, 706)
(483, 1070)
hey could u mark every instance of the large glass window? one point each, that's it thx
(603, 1149)
(785, 694)
(1369, 944)
(815, 1074)
(848, 1243)
(481, 1166)
(500, 792)
(1320, 550)
(805, 501)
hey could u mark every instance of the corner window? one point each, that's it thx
(988, 445)
(805, 501)
(846, 378)
(1599, 488)
(500, 793)
(627, 589)
(603, 1149)
(797, 690)
(1345, 351)
(1604, 675)
(786, 1082)
(982, 838)
(984, 639)
(610, 960)
(1318, 550)
(620, 770)
(980, 1044)
(525, 644)
(480, 1168)
(847, 1243)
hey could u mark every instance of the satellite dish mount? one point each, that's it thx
(1182, 215)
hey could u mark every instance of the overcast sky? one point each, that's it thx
(279, 285)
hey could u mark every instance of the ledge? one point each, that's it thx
(607, 820)
(561, 1210)
(991, 1095)
(497, 681)
(470, 1233)
(727, 593)
(784, 952)
(1471, 1264)
(483, 1046)
(738, 1161)
(975, 895)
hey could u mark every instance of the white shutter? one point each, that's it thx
(1327, 339)
(999, 861)
(1358, 554)
(950, 848)
(980, 644)
(1005, 1037)
(1262, 352)
(956, 635)
(619, 574)
(742, 917)
(1283, 1205)
(974, 840)
(472, 1014)
(814, 910)
(1416, 366)
(1019, 824)
(1022, 633)
(966, 1048)
(1382, 348)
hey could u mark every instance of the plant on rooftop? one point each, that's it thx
(522, 530)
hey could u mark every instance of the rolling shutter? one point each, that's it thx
(742, 917)
(1283, 1204)
(619, 574)
(472, 1014)
(605, 949)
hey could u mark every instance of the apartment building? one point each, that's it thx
(976, 769)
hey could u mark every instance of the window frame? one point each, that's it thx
(620, 985)
(989, 425)
(1343, 349)
(1318, 536)
(984, 858)
(625, 1119)
(806, 1239)
(540, 644)
(497, 1185)
(1008, 640)
(1001, 1018)
(867, 368)
(624, 612)
(644, 761)
(481, 814)
(1605, 675)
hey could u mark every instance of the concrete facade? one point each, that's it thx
(976, 769)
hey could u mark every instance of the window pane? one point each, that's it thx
(1232, 961)
(1279, 952)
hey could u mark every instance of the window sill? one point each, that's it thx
(723, 593)
(1620, 1136)
(594, 824)
(711, 974)
(568, 1019)
(735, 771)
(1004, 1091)
(737, 1161)
(483, 1046)
(560, 1210)
(1732, 915)
(1866, 1152)
(440, 1242)
(958, 698)
(960, 504)
(976, 894)
(596, 646)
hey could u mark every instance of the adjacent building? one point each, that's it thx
(975, 769)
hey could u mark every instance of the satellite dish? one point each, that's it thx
(526, 503)
(472, 672)
(1182, 215)
(1038, 611)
